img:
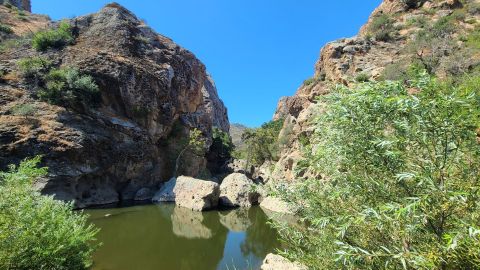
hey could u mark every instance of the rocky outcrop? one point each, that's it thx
(21, 4)
(237, 190)
(341, 61)
(153, 92)
(189, 192)
(277, 262)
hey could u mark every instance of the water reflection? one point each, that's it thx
(168, 237)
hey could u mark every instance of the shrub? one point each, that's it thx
(5, 29)
(473, 39)
(34, 67)
(53, 38)
(401, 175)
(381, 28)
(262, 143)
(309, 81)
(362, 77)
(25, 110)
(68, 87)
(37, 232)
(221, 144)
(473, 8)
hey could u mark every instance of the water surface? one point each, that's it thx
(172, 238)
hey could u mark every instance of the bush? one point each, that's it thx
(53, 38)
(382, 28)
(262, 143)
(34, 67)
(5, 29)
(37, 232)
(68, 87)
(413, 3)
(362, 77)
(25, 110)
(221, 144)
(401, 175)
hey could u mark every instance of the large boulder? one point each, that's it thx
(188, 192)
(278, 205)
(237, 190)
(277, 262)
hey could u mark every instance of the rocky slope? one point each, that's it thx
(153, 92)
(392, 39)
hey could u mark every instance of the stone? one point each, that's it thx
(237, 190)
(188, 192)
(143, 194)
(277, 262)
(277, 205)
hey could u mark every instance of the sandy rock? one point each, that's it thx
(188, 192)
(277, 205)
(237, 190)
(277, 262)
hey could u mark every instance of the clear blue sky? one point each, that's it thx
(256, 50)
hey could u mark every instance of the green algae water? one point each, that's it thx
(166, 237)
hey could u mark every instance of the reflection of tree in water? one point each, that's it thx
(260, 238)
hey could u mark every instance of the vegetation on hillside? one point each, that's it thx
(64, 86)
(400, 189)
(262, 143)
(38, 232)
(53, 38)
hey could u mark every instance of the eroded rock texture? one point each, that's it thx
(153, 92)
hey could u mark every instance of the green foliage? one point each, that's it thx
(38, 232)
(196, 144)
(34, 67)
(68, 87)
(5, 29)
(382, 28)
(262, 143)
(401, 179)
(53, 38)
(473, 39)
(418, 21)
(222, 144)
(362, 77)
(26, 110)
(473, 8)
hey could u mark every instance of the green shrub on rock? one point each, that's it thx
(68, 87)
(53, 38)
(34, 67)
(37, 232)
(401, 176)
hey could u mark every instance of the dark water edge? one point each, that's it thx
(168, 237)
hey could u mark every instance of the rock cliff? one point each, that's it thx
(21, 4)
(393, 38)
(153, 92)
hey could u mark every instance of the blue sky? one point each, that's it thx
(256, 50)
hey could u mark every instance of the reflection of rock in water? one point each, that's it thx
(189, 224)
(284, 218)
(236, 220)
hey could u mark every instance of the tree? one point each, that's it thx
(38, 232)
(196, 144)
(400, 187)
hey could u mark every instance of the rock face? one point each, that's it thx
(277, 262)
(153, 92)
(190, 193)
(341, 61)
(21, 4)
(237, 190)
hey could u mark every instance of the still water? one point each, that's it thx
(166, 237)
